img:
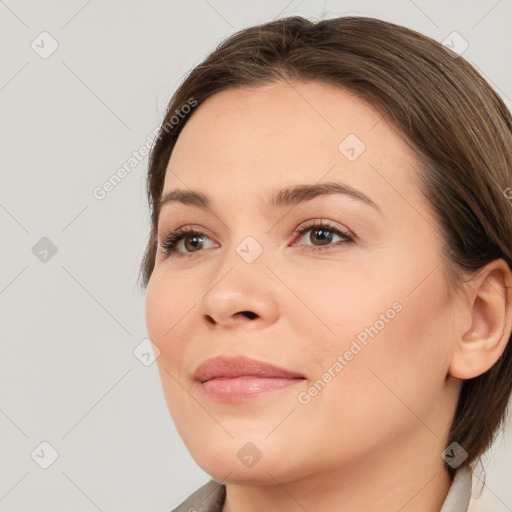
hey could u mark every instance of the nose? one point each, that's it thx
(244, 296)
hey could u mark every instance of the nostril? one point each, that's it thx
(249, 314)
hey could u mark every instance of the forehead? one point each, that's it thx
(255, 139)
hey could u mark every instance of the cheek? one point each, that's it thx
(399, 374)
(157, 308)
(395, 345)
(336, 303)
(169, 308)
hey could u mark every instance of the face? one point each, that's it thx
(343, 289)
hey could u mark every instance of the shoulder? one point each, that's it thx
(208, 498)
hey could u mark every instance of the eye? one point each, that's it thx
(323, 232)
(193, 239)
(186, 234)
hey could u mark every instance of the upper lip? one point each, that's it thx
(223, 367)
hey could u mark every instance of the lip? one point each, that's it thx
(222, 367)
(235, 379)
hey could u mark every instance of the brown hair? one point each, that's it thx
(458, 126)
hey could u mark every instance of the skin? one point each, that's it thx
(372, 438)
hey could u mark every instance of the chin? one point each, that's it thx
(246, 463)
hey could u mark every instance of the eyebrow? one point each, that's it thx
(288, 196)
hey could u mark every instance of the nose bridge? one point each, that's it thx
(249, 248)
(249, 237)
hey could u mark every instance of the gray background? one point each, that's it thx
(70, 321)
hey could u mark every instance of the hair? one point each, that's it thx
(457, 125)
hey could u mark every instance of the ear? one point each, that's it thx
(490, 311)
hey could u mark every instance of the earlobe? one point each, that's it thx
(480, 346)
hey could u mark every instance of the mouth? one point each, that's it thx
(236, 379)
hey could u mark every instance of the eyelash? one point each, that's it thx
(172, 239)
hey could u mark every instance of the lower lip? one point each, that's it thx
(242, 388)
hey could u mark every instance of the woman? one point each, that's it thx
(328, 271)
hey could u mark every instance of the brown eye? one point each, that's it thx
(322, 234)
(193, 241)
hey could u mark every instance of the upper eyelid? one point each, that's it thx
(305, 224)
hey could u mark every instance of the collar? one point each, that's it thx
(210, 497)
(459, 495)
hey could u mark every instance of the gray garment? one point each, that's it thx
(210, 497)
(459, 495)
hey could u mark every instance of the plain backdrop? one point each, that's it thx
(83, 84)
